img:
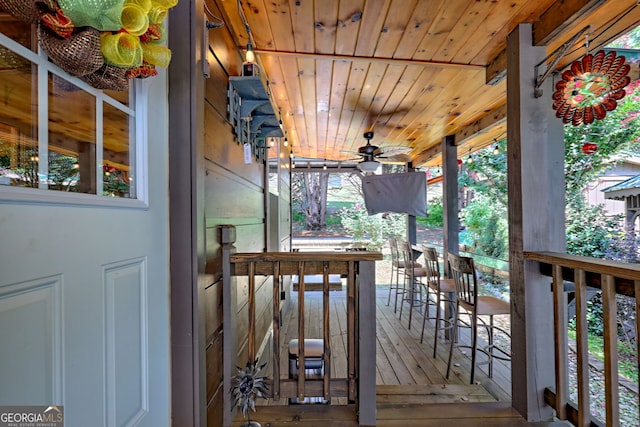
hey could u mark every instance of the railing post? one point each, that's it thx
(227, 237)
(301, 320)
(367, 343)
(560, 316)
(326, 307)
(275, 389)
(611, 382)
(352, 375)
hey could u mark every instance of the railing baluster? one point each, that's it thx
(351, 329)
(301, 361)
(251, 308)
(610, 350)
(582, 332)
(275, 389)
(560, 313)
(326, 307)
(613, 278)
(354, 387)
(637, 298)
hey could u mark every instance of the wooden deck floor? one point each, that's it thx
(401, 359)
(411, 384)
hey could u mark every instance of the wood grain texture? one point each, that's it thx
(328, 95)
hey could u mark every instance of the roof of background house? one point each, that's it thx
(629, 187)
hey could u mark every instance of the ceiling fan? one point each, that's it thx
(372, 155)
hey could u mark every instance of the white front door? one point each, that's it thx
(84, 293)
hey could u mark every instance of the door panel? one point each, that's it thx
(84, 295)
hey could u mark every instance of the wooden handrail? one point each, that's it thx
(612, 278)
(624, 274)
(359, 269)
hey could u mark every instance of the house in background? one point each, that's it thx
(628, 193)
(597, 191)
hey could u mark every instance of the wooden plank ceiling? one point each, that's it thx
(413, 71)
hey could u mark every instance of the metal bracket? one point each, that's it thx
(556, 57)
(251, 113)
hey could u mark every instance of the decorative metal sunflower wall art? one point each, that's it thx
(246, 387)
(591, 87)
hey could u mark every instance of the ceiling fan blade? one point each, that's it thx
(395, 149)
(354, 153)
(396, 158)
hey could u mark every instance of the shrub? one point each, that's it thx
(371, 231)
(434, 218)
(486, 222)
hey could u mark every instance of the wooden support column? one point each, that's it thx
(451, 224)
(412, 226)
(367, 343)
(227, 238)
(186, 186)
(536, 221)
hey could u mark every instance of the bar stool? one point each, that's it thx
(467, 299)
(443, 291)
(397, 269)
(412, 292)
(396, 265)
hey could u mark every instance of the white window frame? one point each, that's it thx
(138, 139)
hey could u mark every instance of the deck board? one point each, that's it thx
(411, 387)
(400, 357)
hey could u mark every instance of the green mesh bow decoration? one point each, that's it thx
(247, 385)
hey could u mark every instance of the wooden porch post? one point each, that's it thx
(367, 344)
(227, 238)
(536, 221)
(451, 226)
(412, 226)
(187, 238)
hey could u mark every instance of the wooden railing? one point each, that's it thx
(359, 269)
(612, 278)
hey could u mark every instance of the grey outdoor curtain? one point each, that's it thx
(396, 192)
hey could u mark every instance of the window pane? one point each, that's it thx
(118, 173)
(72, 137)
(20, 31)
(121, 96)
(18, 122)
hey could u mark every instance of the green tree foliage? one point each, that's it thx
(616, 136)
(486, 220)
(485, 215)
(63, 173)
(487, 172)
(590, 230)
(631, 40)
(371, 231)
(434, 218)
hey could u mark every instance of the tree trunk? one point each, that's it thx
(314, 203)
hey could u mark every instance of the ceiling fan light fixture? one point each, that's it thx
(369, 166)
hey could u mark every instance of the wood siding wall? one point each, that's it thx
(234, 195)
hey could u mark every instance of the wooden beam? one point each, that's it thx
(497, 69)
(369, 59)
(489, 120)
(426, 155)
(479, 127)
(561, 16)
